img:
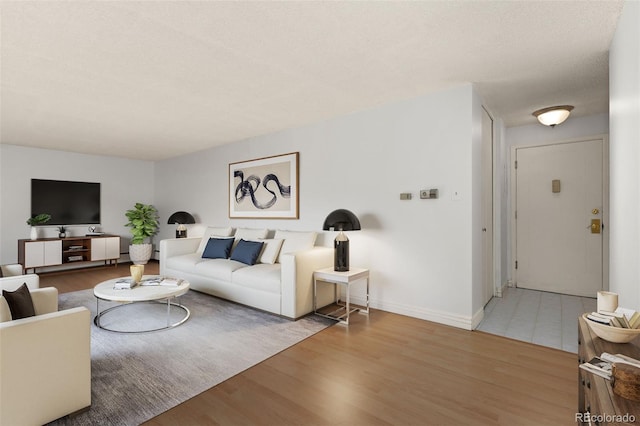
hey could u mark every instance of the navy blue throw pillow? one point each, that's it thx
(218, 248)
(247, 252)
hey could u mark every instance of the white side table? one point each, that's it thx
(345, 279)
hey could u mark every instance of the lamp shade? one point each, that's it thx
(341, 220)
(181, 218)
(553, 116)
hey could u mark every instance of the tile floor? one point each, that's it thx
(547, 319)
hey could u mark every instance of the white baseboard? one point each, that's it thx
(446, 318)
(501, 289)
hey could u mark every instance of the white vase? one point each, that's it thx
(140, 253)
(34, 233)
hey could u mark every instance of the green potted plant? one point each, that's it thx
(62, 231)
(143, 221)
(37, 220)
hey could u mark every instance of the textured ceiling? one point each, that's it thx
(153, 80)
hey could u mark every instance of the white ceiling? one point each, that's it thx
(153, 80)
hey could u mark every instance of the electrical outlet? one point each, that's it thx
(427, 194)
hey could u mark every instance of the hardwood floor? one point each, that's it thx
(386, 369)
(81, 279)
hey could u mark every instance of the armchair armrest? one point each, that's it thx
(297, 279)
(176, 247)
(45, 300)
(13, 282)
(12, 270)
(46, 366)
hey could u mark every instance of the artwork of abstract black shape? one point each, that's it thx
(265, 188)
(248, 187)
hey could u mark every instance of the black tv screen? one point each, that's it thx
(68, 203)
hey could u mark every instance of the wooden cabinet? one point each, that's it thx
(106, 248)
(34, 254)
(40, 253)
(597, 404)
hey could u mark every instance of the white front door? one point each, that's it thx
(559, 211)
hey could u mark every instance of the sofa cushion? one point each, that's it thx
(212, 232)
(219, 269)
(247, 252)
(261, 276)
(218, 248)
(250, 234)
(20, 303)
(270, 251)
(295, 241)
(185, 262)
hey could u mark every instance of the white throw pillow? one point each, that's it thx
(295, 241)
(212, 232)
(250, 234)
(270, 251)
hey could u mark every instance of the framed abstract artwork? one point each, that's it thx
(265, 188)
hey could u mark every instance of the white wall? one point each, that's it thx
(537, 134)
(420, 252)
(501, 202)
(123, 183)
(477, 211)
(624, 109)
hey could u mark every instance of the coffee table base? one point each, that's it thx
(187, 312)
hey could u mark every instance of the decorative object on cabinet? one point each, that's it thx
(62, 232)
(37, 220)
(181, 219)
(596, 396)
(265, 188)
(143, 221)
(341, 220)
(611, 333)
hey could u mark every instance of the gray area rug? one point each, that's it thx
(135, 377)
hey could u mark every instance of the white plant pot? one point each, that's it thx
(140, 253)
(34, 233)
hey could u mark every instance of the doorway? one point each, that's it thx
(560, 203)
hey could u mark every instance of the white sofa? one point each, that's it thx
(45, 361)
(283, 287)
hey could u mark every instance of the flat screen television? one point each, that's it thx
(68, 203)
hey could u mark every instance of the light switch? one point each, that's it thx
(428, 193)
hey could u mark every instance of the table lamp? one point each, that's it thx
(181, 218)
(341, 220)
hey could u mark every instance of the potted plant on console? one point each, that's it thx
(37, 220)
(143, 221)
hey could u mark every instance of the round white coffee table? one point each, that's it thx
(141, 294)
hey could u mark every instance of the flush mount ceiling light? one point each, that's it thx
(554, 115)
